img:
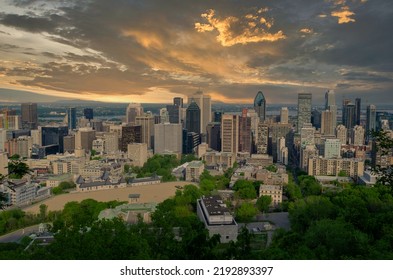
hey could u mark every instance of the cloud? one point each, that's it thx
(344, 15)
(239, 30)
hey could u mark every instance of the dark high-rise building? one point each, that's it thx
(174, 113)
(71, 117)
(193, 118)
(88, 113)
(130, 134)
(244, 132)
(213, 136)
(316, 118)
(178, 101)
(357, 111)
(29, 115)
(304, 110)
(217, 116)
(260, 105)
(190, 141)
(54, 135)
(349, 115)
(371, 119)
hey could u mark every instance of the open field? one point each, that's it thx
(150, 193)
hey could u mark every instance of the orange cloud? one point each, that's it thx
(306, 30)
(253, 29)
(344, 15)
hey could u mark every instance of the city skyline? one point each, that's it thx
(149, 53)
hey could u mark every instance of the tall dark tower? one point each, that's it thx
(357, 110)
(260, 105)
(29, 115)
(193, 118)
(178, 101)
(349, 114)
(88, 113)
(71, 115)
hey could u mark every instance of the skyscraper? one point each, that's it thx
(342, 134)
(204, 103)
(193, 118)
(244, 132)
(178, 101)
(84, 138)
(146, 121)
(357, 110)
(284, 115)
(130, 134)
(330, 104)
(29, 115)
(230, 133)
(54, 135)
(71, 118)
(174, 113)
(260, 105)
(262, 140)
(304, 110)
(133, 110)
(213, 136)
(358, 135)
(168, 138)
(349, 115)
(88, 113)
(327, 127)
(371, 119)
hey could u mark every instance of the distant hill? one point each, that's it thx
(18, 96)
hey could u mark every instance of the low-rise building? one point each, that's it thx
(272, 178)
(275, 192)
(213, 212)
(194, 170)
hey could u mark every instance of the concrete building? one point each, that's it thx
(244, 133)
(341, 134)
(306, 153)
(133, 110)
(19, 192)
(271, 178)
(318, 166)
(168, 138)
(213, 136)
(262, 140)
(327, 125)
(332, 148)
(84, 138)
(111, 142)
(213, 212)
(194, 170)
(130, 134)
(219, 160)
(304, 110)
(230, 133)
(274, 191)
(137, 153)
(29, 115)
(284, 114)
(146, 121)
(204, 103)
(3, 163)
(358, 135)
(331, 106)
(99, 145)
(282, 151)
(69, 143)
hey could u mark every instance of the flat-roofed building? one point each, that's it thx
(213, 212)
(274, 191)
(194, 170)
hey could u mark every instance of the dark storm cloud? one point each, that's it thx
(128, 47)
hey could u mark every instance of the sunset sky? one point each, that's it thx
(152, 50)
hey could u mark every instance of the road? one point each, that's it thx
(18, 234)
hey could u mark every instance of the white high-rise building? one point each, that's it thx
(164, 115)
(332, 148)
(37, 136)
(168, 138)
(204, 103)
(282, 151)
(133, 110)
(284, 113)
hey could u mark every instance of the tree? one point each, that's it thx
(43, 211)
(383, 147)
(264, 202)
(16, 170)
(246, 212)
(245, 189)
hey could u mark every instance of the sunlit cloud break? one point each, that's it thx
(239, 30)
(344, 15)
